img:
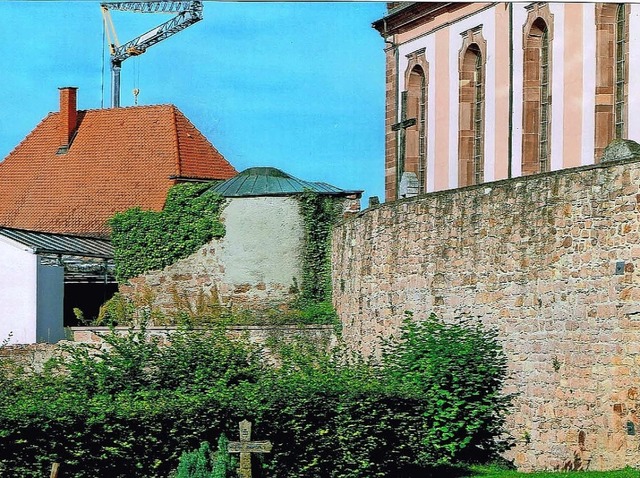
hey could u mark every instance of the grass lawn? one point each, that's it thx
(496, 472)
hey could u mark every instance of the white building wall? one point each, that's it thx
(489, 32)
(443, 161)
(589, 84)
(429, 44)
(519, 19)
(557, 87)
(18, 296)
(263, 242)
(452, 166)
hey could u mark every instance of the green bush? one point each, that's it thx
(149, 240)
(203, 463)
(458, 369)
(195, 464)
(133, 406)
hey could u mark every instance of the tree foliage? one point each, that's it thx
(134, 405)
(458, 370)
(149, 240)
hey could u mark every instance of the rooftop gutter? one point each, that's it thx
(43, 250)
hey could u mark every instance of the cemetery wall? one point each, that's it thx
(30, 356)
(34, 356)
(553, 262)
(256, 334)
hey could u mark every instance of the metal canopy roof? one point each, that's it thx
(272, 182)
(46, 243)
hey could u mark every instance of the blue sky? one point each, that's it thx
(298, 86)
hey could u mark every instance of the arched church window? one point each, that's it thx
(412, 129)
(416, 135)
(536, 121)
(621, 53)
(612, 51)
(471, 117)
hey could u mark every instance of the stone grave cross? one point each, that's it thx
(245, 447)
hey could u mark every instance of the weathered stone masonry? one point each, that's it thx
(553, 262)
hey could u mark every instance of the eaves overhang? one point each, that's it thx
(407, 14)
(42, 243)
(268, 181)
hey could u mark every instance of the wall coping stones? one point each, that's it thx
(624, 153)
(171, 328)
(621, 149)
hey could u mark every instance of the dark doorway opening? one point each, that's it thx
(87, 297)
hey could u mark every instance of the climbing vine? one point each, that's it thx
(149, 240)
(320, 213)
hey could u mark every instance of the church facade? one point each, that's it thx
(478, 92)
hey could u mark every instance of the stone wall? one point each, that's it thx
(259, 335)
(552, 261)
(34, 356)
(254, 266)
(31, 356)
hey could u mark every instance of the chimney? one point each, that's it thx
(68, 117)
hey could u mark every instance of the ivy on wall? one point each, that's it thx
(320, 213)
(150, 240)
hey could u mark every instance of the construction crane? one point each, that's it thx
(188, 13)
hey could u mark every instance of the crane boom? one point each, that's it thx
(189, 12)
(149, 7)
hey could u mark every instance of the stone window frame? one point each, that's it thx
(606, 76)
(532, 124)
(470, 153)
(417, 62)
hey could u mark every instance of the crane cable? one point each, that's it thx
(136, 80)
(104, 33)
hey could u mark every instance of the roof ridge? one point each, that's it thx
(176, 142)
(121, 108)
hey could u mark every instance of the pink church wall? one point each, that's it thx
(573, 80)
(572, 83)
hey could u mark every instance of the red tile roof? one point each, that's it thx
(119, 158)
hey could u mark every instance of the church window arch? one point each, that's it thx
(412, 128)
(471, 121)
(612, 66)
(536, 120)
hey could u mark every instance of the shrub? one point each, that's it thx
(202, 463)
(133, 406)
(458, 369)
(149, 240)
(195, 464)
